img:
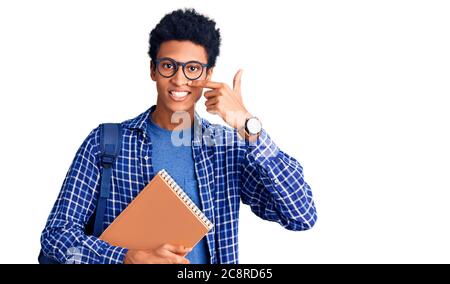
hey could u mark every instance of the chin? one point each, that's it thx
(179, 106)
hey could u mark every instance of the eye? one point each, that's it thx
(167, 65)
(193, 68)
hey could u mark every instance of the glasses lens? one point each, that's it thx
(167, 67)
(193, 70)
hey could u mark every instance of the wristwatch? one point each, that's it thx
(252, 126)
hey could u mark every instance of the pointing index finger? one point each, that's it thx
(205, 84)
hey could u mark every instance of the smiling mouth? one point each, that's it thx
(179, 95)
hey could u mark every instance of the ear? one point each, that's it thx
(209, 74)
(152, 71)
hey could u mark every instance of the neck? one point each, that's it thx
(162, 117)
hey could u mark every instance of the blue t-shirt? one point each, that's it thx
(176, 157)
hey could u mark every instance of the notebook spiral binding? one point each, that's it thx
(179, 191)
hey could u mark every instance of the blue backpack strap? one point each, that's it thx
(110, 146)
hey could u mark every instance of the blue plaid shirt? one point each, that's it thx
(228, 169)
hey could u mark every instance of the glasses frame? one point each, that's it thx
(177, 65)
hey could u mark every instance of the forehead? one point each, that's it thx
(182, 51)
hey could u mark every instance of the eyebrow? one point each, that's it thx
(167, 57)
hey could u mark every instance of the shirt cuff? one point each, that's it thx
(113, 254)
(263, 150)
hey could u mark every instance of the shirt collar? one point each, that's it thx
(140, 122)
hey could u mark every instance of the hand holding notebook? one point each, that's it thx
(165, 254)
(161, 214)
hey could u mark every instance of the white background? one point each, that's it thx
(357, 91)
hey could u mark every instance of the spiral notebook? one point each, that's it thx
(161, 213)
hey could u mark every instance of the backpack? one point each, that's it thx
(110, 145)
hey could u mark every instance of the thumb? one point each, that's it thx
(237, 82)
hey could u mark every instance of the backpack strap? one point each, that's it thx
(110, 146)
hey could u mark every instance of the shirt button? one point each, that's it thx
(146, 158)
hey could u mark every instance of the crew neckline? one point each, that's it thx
(158, 129)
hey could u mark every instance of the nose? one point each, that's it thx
(178, 79)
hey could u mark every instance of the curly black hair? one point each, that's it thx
(189, 25)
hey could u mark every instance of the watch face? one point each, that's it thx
(253, 126)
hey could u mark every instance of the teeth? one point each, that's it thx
(179, 94)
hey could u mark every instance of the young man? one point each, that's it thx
(218, 167)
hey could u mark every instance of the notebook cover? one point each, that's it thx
(155, 217)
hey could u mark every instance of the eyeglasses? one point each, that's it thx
(168, 67)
